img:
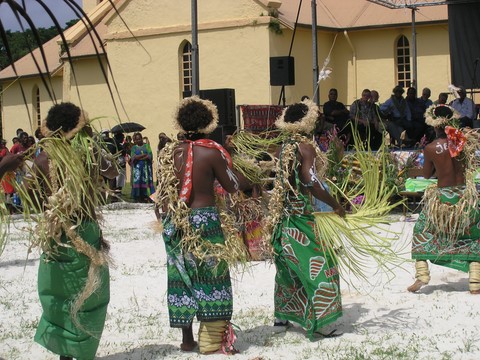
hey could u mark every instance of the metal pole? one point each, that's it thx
(316, 91)
(414, 50)
(195, 56)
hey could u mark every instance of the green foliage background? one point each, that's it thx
(22, 42)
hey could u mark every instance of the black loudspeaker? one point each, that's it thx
(224, 99)
(282, 71)
(220, 133)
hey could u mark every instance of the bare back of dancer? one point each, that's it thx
(449, 170)
(208, 165)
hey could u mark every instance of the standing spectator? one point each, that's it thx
(31, 141)
(417, 110)
(39, 136)
(362, 113)
(163, 140)
(21, 145)
(19, 148)
(8, 178)
(142, 173)
(465, 107)
(109, 145)
(118, 140)
(398, 114)
(336, 113)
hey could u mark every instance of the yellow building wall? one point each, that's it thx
(90, 91)
(375, 61)
(150, 84)
(147, 14)
(15, 114)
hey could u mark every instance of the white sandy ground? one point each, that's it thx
(379, 322)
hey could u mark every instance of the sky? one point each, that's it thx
(38, 15)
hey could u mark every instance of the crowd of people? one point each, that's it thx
(22, 142)
(199, 238)
(400, 117)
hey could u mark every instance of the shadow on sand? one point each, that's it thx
(460, 285)
(146, 352)
(18, 262)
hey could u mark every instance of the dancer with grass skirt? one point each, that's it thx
(307, 286)
(447, 232)
(200, 240)
(73, 278)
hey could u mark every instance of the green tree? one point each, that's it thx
(23, 42)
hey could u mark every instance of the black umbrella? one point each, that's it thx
(127, 127)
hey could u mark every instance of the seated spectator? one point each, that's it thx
(337, 114)
(442, 99)
(426, 93)
(398, 115)
(365, 121)
(465, 107)
(417, 110)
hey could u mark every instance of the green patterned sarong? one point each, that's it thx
(427, 245)
(194, 287)
(61, 277)
(307, 283)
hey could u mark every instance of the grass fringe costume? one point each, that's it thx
(307, 287)
(310, 247)
(200, 243)
(73, 278)
(447, 232)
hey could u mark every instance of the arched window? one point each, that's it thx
(404, 76)
(37, 117)
(186, 67)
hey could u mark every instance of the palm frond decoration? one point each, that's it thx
(249, 168)
(257, 146)
(363, 235)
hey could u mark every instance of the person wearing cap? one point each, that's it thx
(73, 278)
(198, 250)
(398, 113)
(465, 107)
(291, 227)
(447, 231)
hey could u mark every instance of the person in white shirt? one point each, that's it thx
(465, 107)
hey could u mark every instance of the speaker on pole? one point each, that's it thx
(282, 71)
